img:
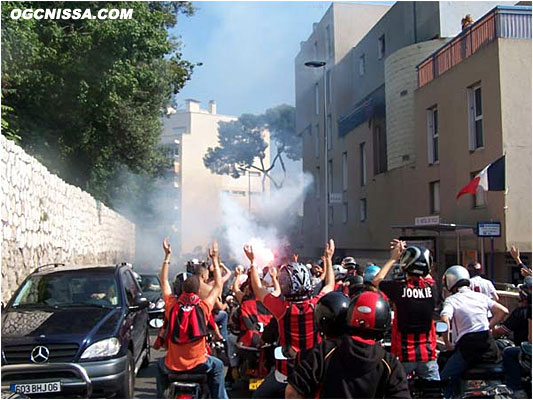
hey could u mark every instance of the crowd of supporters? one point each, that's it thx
(320, 329)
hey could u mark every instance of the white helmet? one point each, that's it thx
(455, 275)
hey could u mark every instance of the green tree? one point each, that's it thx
(241, 142)
(87, 95)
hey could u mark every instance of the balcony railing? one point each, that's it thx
(507, 22)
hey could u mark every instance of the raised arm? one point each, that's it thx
(275, 281)
(163, 275)
(329, 284)
(216, 290)
(235, 287)
(227, 273)
(499, 312)
(515, 253)
(397, 247)
(259, 291)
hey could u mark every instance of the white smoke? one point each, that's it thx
(266, 229)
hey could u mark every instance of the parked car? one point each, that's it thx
(151, 288)
(75, 331)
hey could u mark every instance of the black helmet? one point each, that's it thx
(369, 315)
(178, 282)
(355, 284)
(330, 313)
(416, 260)
(295, 281)
(524, 290)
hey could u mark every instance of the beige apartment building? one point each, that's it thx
(390, 120)
(193, 191)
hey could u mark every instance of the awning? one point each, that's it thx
(436, 227)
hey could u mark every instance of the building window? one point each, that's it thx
(362, 164)
(379, 149)
(328, 86)
(317, 100)
(479, 197)
(362, 210)
(344, 171)
(315, 50)
(434, 197)
(317, 182)
(362, 66)
(330, 215)
(433, 135)
(344, 213)
(317, 141)
(475, 120)
(381, 47)
(329, 42)
(330, 176)
(240, 193)
(330, 130)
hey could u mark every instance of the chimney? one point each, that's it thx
(192, 105)
(212, 107)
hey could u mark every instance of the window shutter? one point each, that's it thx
(429, 116)
(471, 121)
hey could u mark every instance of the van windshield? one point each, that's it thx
(87, 287)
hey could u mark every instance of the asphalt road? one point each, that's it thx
(145, 382)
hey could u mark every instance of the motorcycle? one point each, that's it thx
(252, 366)
(186, 385)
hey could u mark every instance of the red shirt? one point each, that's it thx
(296, 324)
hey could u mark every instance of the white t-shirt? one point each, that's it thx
(482, 285)
(467, 311)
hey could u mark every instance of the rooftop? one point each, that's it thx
(501, 22)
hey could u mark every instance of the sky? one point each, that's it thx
(247, 50)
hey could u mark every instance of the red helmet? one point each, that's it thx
(369, 315)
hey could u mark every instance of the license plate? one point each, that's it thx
(255, 383)
(48, 387)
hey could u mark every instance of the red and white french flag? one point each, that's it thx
(492, 178)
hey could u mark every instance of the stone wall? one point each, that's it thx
(46, 220)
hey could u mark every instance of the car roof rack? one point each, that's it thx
(51, 265)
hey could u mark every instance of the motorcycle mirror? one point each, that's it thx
(441, 327)
(156, 323)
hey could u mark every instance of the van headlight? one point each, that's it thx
(103, 348)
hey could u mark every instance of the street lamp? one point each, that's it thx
(322, 64)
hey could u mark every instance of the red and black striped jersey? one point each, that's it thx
(187, 320)
(253, 317)
(413, 331)
(296, 325)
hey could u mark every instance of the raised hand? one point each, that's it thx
(274, 272)
(166, 247)
(515, 253)
(330, 249)
(396, 248)
(213, 251)
(295, 257)
(239, 270)
(249, 251)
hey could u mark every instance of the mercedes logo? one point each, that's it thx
(40, 354)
